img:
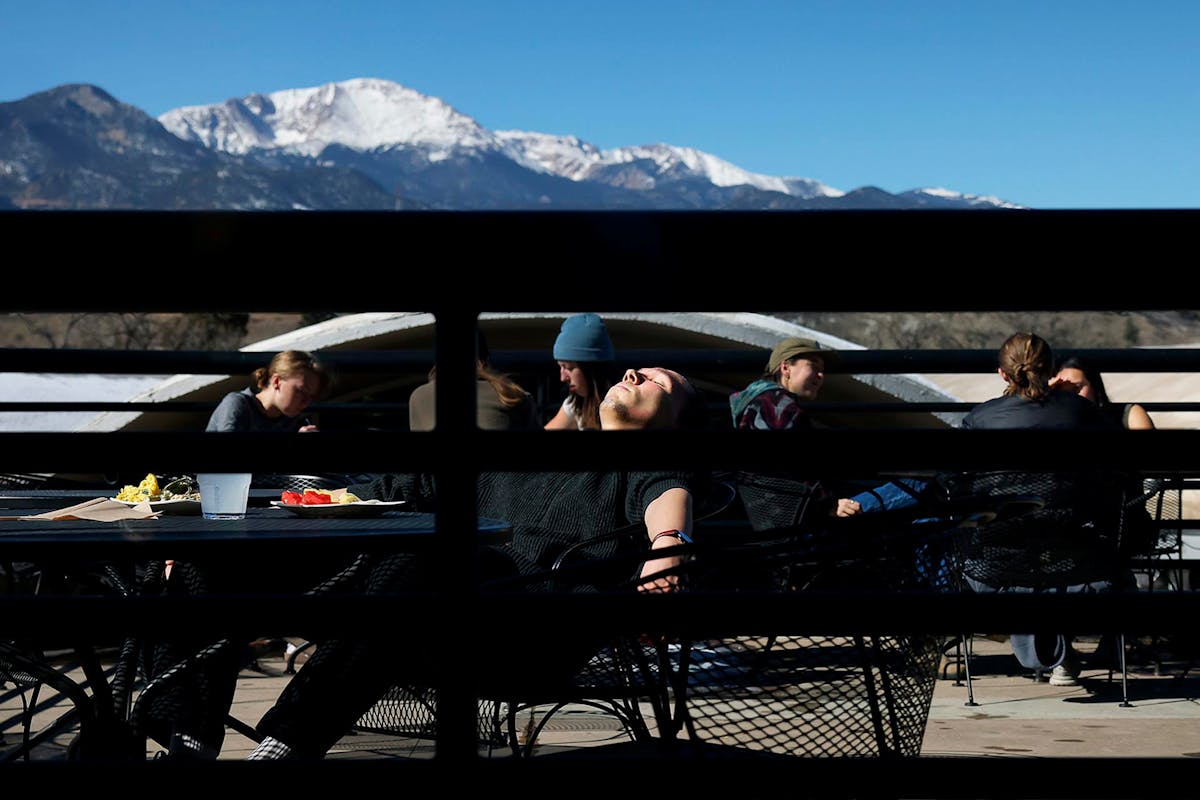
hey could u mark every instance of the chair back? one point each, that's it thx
(772, 693)
(298, 483)
(1051, 529)
(776, 500)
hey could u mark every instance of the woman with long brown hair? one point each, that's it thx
(585, 359)
(500, 403)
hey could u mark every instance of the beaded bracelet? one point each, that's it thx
(672, 533)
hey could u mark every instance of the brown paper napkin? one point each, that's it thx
(101, 509)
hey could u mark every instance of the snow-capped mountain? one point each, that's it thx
(577, 160)
(367, 114)
(369, 144)
(379, 118)
(363, 114)
(950, 199)
(77, 147)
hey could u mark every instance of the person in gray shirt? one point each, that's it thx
(276, 402)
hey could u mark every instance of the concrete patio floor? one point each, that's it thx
(1014, 716)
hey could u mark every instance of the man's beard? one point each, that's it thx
(618, 411)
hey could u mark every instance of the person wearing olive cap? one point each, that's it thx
(585, 357)
(795, 372)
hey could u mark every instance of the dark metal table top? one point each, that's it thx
(57, 498)
(175, 535)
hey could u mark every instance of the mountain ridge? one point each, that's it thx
(369, 144)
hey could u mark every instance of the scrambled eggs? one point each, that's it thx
(149, 491)
(146, 490)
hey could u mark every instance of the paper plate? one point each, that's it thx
(167, 506)
(363, 508)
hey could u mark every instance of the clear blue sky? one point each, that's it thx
(1050, 104)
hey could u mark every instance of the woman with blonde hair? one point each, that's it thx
(276, 399)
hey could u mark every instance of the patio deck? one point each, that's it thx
(1015, 716)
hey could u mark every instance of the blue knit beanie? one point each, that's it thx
(583, 337)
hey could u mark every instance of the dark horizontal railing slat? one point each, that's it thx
(862, 362)
(826, 452)
(651, 262)
(815, 612)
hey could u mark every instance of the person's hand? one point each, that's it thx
(663, 583)
(1064, 385)
(847, 507)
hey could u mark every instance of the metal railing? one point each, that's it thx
(612, 261)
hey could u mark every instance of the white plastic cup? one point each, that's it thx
(223, 495)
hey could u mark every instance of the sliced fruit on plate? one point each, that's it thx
(315, 497)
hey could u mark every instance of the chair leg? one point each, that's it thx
(294, 653)
(967, 643)
(1124, 673)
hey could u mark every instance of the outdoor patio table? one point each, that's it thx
(53, 498)
(265, 532)
(263, 529)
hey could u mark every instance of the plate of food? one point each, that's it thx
(325, 503)
(167, 506)
(175, 496)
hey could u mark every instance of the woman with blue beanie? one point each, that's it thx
(585, 359)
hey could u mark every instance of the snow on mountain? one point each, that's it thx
(721, 173)
(566, 156)
(368, 113)
(939, 195)
(363, 114)
(570, 157)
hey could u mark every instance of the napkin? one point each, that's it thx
(100, 509)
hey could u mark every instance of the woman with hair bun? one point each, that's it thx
(276, 400)
(1029, 403)
(1027, 366)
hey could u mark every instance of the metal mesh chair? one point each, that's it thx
(298, 483)
(616, 677)
(32, 666)
(26, 670)
(776, 500)
(812, 695)
(1052, 531)
(1152, 539)
(767, 693)
(1152, 531)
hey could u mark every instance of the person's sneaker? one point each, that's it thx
(1066, 673)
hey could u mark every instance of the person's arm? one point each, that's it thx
(417, 489)
(229, 416)
(670, 511)
(900, 493)
(561, 421)
(1138, 419)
